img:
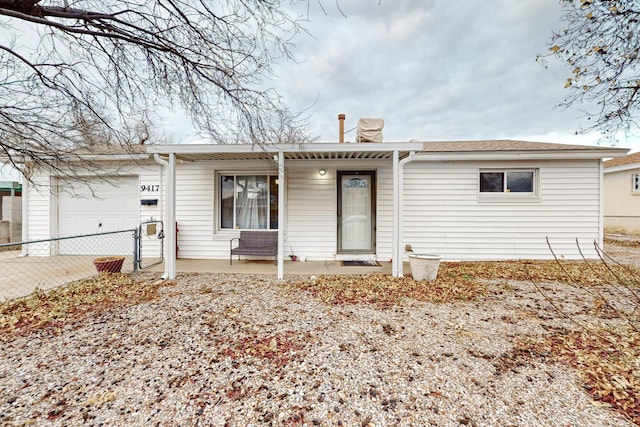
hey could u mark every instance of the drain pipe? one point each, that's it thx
(25, 215)
(398, 203)
(170, 235)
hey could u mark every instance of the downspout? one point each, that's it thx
(170, 215)
(399, 207)
(601, 209)
(281, 198)
(25, 215)
(395, 259)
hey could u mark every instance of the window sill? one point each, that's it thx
(508, 198)
(229, 233)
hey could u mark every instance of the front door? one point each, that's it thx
(356, 212)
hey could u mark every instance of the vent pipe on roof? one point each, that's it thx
(341, 118)
(369, 130)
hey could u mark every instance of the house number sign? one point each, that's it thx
(151, 188)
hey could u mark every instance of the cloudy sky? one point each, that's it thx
(433, 70)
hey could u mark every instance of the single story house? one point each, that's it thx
(622, 194)
(464, 200)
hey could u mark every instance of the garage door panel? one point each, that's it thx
(94, 207)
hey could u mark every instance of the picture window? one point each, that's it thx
(248, 202)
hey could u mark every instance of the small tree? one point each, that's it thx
(96, 70)
(601, 43)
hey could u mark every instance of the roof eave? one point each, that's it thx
(521, 155)
(286, 148)
(422, 149)
(622, 168)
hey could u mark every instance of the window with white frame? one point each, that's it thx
(522, 181)
(635, 182)
(248, 202)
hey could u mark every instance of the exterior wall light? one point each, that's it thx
(322, 172)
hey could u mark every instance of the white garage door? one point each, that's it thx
(103, 205)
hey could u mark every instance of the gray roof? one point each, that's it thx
(631, 159)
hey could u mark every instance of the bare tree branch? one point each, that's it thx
(600, 42)
(100, 69)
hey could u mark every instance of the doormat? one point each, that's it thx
(367, 263)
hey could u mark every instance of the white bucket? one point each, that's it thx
(424, 266)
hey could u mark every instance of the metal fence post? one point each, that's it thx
(136, 248)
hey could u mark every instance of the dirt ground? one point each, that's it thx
(623, 249)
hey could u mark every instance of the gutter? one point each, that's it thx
(515, 155)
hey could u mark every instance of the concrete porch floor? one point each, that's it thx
(268, 267)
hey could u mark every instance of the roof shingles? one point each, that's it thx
(621, 161)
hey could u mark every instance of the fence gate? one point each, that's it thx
(150, 243)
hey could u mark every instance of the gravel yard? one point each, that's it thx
(246, 350)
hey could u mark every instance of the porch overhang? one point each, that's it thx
(427, 151)
(311, 151)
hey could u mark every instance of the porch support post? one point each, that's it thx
(170, 215)
(281, 198)
(395, 229)
(170, 269)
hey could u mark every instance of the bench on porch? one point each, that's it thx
(255, 243)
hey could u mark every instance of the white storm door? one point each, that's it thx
(356, 213)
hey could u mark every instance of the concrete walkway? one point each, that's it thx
(269, 267)
(21, 276)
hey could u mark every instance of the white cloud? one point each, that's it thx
(434, 70)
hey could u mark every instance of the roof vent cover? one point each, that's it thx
(369, 130)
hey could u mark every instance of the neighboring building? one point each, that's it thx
(465, 200)
(622, 195)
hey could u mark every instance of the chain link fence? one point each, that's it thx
(40, 265)
(150, 243)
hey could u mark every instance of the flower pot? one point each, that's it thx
(424, 266)
(109, 264)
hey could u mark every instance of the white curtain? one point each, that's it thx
(251, 203)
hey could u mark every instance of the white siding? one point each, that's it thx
(443, 214)
(385, 212)
(194, 212)
(311, 213)
(312, 226)
(151, 175)
(310, 200)
(42, 212)
(196, 206)
(38, 208)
